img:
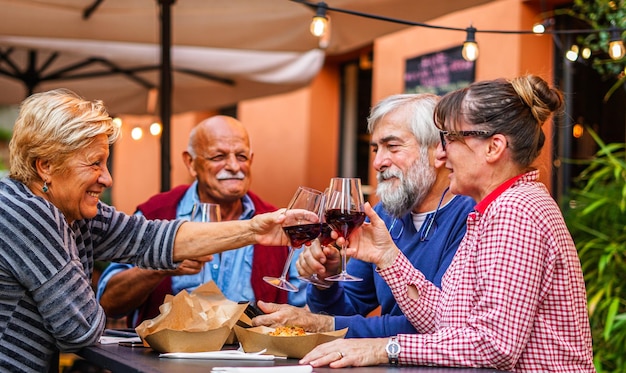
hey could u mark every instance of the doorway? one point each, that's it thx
(355, 104)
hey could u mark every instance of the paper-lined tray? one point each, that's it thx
(196, 322)
(257, 338)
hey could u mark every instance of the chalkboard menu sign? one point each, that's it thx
(439, 72)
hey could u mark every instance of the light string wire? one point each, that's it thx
(449, 28)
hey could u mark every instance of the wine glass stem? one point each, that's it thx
(287, 263)
(343, 259)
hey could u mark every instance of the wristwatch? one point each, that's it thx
(393, 350)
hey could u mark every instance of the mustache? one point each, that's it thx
(388, 174)
(225, 174)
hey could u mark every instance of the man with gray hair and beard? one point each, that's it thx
(219, 157)
(425, 220)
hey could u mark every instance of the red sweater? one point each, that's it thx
(266, 260)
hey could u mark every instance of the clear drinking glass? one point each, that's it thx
(205, 212)
(299, 228)
(344, 212)
(324, 239)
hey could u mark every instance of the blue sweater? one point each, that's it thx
(350, 302)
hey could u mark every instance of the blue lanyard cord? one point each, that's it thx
(431, 221)
(397, 227)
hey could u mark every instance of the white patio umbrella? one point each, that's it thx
(122, 73)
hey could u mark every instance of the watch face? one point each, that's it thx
(393, 348)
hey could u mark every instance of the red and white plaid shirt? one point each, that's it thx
(513, 297)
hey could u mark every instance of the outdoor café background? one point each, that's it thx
(307, 136)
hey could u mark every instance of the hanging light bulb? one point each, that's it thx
(117, 121)
(586, 53)
(578, 130)
(155, 129)
(572, 53)
(539, 28)
(136, 133)
(616, 45)
(320, 21)
(324, 40)
(470, 48)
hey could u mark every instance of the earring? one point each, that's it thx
(45, 188)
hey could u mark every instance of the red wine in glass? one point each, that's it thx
(301, 234)
(344, 222)
(300, 229)
(325, 238)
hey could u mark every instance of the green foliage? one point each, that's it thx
(596, 217)
(5, 135)
(602, 15)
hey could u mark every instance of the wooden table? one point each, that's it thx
(140, 359)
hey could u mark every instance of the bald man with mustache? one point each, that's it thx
(219, 157)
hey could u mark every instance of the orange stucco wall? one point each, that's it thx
(295, 136)
(136, 163)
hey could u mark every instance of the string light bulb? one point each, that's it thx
(324, 40)
(470, 47)
(578, 130)
(117, 121)
(136, 133)
(155, 129)
(539, 28)
(616, 44)
(319, 23)
(572, 53)
(586, 53)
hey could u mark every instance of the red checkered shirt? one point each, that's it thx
(513, 297)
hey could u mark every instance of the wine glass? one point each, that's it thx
(205, 212)
(344, 212)
(324, 239)
(299, 229)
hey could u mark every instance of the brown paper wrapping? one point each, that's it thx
(192, 322)
(257, 339)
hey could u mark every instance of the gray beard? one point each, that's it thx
(413, 188)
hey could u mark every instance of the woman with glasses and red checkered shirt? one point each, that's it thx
(514, 296)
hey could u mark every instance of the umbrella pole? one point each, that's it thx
(166, 92)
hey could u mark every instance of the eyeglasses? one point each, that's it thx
(449, 136)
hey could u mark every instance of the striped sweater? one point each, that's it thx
(46, 299)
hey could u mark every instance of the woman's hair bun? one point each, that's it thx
(538, 96)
